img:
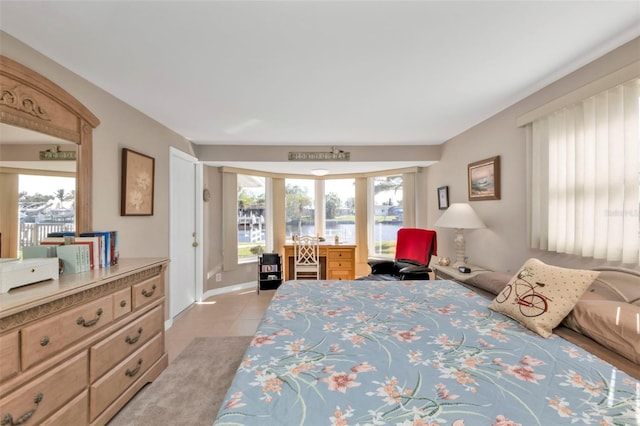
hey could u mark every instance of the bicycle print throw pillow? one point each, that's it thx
(539, 296)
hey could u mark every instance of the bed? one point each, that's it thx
(418, 353)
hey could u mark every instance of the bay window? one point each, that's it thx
(252, 217)
(386, 214)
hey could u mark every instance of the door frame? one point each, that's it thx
(199, 226)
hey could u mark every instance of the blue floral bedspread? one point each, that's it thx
(415, 353)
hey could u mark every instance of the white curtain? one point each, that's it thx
(584, 164)
(409, 200)
(229, 221)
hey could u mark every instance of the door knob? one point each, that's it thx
(194, 244)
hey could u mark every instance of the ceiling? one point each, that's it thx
(11, 134)
(325, 73)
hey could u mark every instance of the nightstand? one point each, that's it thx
(452, 273)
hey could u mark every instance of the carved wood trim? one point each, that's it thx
(82, 297)
(31, 101)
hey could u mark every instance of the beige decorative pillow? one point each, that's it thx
(493, 282)
(615, 325)
(539, 296)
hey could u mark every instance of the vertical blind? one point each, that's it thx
(584, 163)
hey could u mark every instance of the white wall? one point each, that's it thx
(121, 126)
(502, 246)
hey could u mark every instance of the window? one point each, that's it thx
(323, 207)
(46, 204)
(340, 219)
(252, 229)
(300, 207)
(584, 177)
(388, 215)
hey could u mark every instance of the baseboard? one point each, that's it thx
(230, 289)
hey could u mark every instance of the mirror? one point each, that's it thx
(48, 202)
(30, 101)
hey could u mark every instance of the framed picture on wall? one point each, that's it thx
(484, 179)
(136, 196)
(443, 197)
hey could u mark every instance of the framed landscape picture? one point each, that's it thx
(137, 184)
(484, 179)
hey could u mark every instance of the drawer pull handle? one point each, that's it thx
(8, 418)
(81, 321)
(131, 373)
(123, 303)
(134, 340)
(45, 341)
(146, 293)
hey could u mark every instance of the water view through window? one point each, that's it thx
(46, 204)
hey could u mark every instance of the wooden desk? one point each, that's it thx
(337, 262)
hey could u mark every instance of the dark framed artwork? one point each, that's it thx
(484, 179)
(443, 197)
(136, 198)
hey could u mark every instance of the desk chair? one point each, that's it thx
(414, 248)
(306, 258)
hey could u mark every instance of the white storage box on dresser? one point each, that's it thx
(15, 273)
(76, 349)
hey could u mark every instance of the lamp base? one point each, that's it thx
(459, 244)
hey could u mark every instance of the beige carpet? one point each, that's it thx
(190, 390)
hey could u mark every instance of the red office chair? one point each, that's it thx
(414, 248)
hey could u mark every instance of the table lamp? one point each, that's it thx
(459, 216)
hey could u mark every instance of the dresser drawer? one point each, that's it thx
(74, 413)
(115, 348)
(111, 385)
(147, 291)
(121, 303)
(335, 254)
(47, 337)
(10, 355)
(339, 275)
(48, 393)
(341, 264)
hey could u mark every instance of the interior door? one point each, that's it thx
(185, 249)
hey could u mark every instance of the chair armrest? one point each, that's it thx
(382, 266)
(415, 273)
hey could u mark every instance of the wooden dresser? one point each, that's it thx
(337, 261)
(73, 351)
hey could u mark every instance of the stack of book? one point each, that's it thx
(89, 250)
(109, 245)
(103, 245)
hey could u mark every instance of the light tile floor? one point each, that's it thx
(229, 314)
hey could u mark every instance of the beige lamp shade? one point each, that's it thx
(460, 216)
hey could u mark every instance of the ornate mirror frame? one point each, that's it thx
(31, 101)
